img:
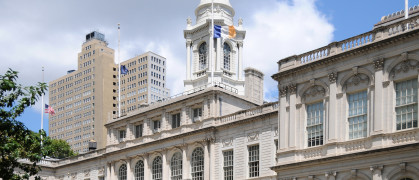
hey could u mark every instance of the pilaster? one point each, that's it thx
(240, 62)
(333, 119)
(129, 169)
(283, 123)
(185, 163)
(188, 59)
(379, 97)
(147, 171)
(206, 161)
(292, 89)
(376, 172)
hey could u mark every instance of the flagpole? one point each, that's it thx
(42, 105)
(119, 71)
(212, 43)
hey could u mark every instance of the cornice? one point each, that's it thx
(350, 53)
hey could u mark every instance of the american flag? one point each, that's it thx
(49, 109)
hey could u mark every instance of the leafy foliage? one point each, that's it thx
(59, 149)
(16, 141)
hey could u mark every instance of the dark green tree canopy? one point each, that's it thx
(17, 141)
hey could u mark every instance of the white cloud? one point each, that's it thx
(283, 29)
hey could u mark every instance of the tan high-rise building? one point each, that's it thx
(85, 99)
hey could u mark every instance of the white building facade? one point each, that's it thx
(349, 110)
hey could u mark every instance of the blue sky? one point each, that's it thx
(51, 33)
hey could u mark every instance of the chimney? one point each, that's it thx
(253, 85)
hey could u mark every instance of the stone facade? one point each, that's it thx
(344, 113)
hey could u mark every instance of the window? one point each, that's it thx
(176, 166)
(122, 135)
(157, 168)
(407, 104)
(203, 56)
(175, 120)
(253, 161)
(197, 164)
(228, 165)
(226, 51)
(138, 131)
(357, 115)
(156, 125)
(197, 113)
(406, 179)
(139, 170)
(122, 172)
(315, 124)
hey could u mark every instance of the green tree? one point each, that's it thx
(16, 140)
(60, 149)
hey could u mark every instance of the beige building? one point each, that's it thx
(85, 98)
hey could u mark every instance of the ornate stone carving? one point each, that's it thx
(253, 137)
(356, 79)
(402, 167)
(331, 173)
(87, 173)
(298, 106)
(376, 168)
(101, 170)
(339, 95)
(404, 66)
(292, 88)
(228, 142)
(379, 64)
(386, 83)
(333, 77)
(314, 91)
(276, 131)
(189, 21)
(404, 137)
(283, 91)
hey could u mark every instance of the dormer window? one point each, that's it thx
(156, 125)
(175, 120)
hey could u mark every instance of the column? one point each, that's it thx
(205, 110)
(188, 59)
(219, 54)
(183, 117)
(185, 163)
(206, 161)
(165, 165)
(332, 120)
(108, 171)
(240, 62)
(164, 122)
(378, 97)
(283, 123)
(129, 132)
(212, 160)
(292, 119)
(147, 174)
(112, 171)
(129, 170)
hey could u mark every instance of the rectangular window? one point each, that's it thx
(253, 161)
(122, 135)
(175, 120)
(228, 165)
(138, 131)
(197, 112)
(357, 115)
(315, 117)
(156, 125)
(407, 104)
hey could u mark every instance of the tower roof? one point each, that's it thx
(224, 3)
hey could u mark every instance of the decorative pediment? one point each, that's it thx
(315, 91)
(227, 142)
(356, 80)
(252, 137)
(404, 67)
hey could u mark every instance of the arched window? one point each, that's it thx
(157, 168)
(176, 166)
(139, 170)
(123, 172)
(197, 164)
(226, 51)
(406, 179)
(203, 56)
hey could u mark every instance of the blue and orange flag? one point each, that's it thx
(228, 32)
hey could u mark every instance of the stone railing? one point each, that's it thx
(266, 108)
(331, 149)
(349, 44)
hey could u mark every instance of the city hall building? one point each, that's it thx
(346, 111)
